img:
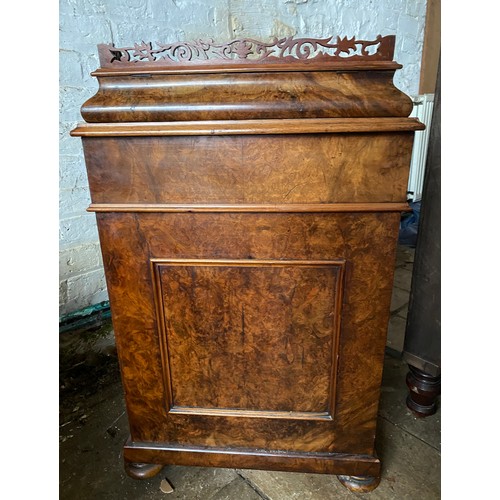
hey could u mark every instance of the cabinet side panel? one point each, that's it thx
(367, 244)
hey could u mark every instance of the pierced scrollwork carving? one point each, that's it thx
(248, 50)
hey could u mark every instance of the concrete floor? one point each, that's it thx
(93, 428)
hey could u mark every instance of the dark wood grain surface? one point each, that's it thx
(326, 168)
(246, 96)
(221, 315)
(366, 242)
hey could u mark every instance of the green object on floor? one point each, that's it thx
(85, 317)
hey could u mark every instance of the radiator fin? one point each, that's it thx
(422, 109)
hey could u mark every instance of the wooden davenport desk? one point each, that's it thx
(248, 198)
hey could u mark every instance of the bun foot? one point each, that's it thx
(359, 484)
(142, 471)
(424, 391)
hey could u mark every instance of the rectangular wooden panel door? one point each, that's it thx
(250, 331)
(251, 338)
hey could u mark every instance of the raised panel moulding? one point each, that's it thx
(304, 297)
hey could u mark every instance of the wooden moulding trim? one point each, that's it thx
(338, 265)
(249, 127)
(249, 263)
(267, 208)
(222, 412)
(341, 66)
(326, 463)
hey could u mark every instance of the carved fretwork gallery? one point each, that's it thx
(248, 197)
(279, 50)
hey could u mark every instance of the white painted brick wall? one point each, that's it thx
(85, 23)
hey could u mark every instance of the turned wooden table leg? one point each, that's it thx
(142, 471)
(424, 390)
(360, 484)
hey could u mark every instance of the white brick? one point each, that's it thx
(75, 69)
(82, 33)
(126, 33)
(216, 17)
(388, 5)
(71, 100)
(70, 64)
(69, 145)
(77, 230)
(83, 8)
(86, 284)
(73, 201)
(351, 22)
(85, 290)
(131, 9)
(389, 23)
(89, 64)
(80, 259)
(407, 26)
(416, 8)
(409, 45)
(72, 172)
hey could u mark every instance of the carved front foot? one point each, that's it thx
(142, 471)
(424, 390)
(359, 484)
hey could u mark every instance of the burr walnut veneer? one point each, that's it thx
(248, 198)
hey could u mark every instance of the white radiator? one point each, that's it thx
(422, 109)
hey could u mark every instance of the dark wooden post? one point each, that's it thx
(422, 348)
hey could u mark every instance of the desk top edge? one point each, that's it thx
(249, 127)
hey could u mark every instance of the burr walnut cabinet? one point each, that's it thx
(248, 197)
